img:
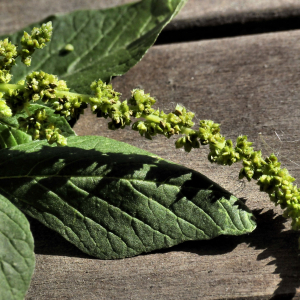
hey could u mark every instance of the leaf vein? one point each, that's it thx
(228, 215)
(14, 221)
(83, 216)
(120, 33)
(14, 246)
(11, 288)
(99, 59)
(177, 217)
(125, 213)
(79, 57)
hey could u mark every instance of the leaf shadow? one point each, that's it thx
(281, 245)
(268, 237)
(272, 238)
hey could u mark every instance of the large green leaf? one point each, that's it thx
(106, 42)
(113, 200)
(11, 136)
(16, 252)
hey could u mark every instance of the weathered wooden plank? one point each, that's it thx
(202, 13)
(250, 85)
(15, 14)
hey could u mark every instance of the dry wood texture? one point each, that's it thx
(15, 14)
(249, 85)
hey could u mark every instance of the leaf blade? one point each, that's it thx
(123, 36)
(112, 204)
(16, 252)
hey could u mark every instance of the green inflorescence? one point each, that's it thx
(36, 40)
(8, 52)
(105, 102)
(38, 86)
(271, 178)
(5, 110)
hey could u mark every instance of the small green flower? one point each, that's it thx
(37, 40)
(53, 135)
(5, 110)
(106, 104)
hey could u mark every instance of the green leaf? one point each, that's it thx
(11, 136)
(113, 200)
(106, 42)
(16, 252)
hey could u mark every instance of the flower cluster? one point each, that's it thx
(38, 86)
(106, 104)
(53, 135)
(37, 40)
(41, 86)
(272, 179)
(156, 121)
(9, 53)
(38, 126)
(12, 97)
(5, 110)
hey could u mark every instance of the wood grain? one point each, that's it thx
(15, 14)
(250, 85)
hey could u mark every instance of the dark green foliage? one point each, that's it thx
(16, 252)
(113, 200)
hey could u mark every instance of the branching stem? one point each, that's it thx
(84, 97)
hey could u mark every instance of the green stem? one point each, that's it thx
(5, 87)
(84, 97)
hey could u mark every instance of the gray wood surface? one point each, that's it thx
(250, 85)
(15, 14)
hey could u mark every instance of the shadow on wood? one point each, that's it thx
(269, 237)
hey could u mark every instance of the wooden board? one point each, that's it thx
(15, 14)
(250, 85)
